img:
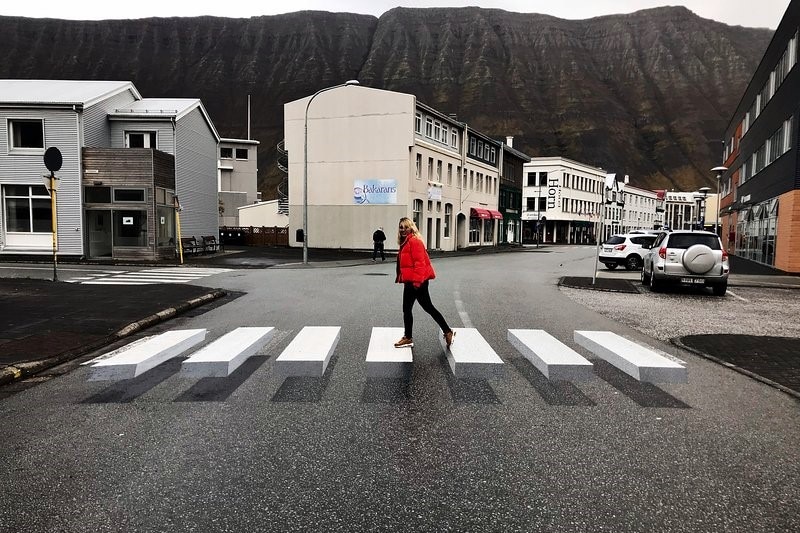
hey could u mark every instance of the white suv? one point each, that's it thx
(687, 257)
(625, 250)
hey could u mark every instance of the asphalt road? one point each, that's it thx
(345, 453)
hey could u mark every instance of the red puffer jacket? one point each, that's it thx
(413, 263)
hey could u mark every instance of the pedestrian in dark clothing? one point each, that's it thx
(377, 244)
(414, 270)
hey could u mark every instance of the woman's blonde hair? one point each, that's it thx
(407, 223)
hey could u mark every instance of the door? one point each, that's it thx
(438, 233)
(430, 234)
(98, 222)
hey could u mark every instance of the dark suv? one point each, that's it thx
(687, 257)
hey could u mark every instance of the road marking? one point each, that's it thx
(633, 359)
(309, 352)
(383, 359)
(737, 296)
(551, 357)
(462, 310)
(470, 356)
(220, 358)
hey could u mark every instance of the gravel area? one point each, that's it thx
(743, 310)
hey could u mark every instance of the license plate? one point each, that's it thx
(606, 249)
(692, 280)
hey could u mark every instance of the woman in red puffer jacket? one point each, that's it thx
(414, 270)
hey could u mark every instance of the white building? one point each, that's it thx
(561, 200)
(639, 211)
(237, 178)
(374, 156)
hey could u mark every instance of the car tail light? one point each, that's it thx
(619, 247)
(724, 255)
(662, 252)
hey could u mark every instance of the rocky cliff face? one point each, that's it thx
(647, 94)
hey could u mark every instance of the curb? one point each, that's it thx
(791, 392)
(24, 370)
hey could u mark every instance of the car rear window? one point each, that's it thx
(615, 239)
(646, 240)
(684, 241)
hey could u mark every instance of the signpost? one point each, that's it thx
(53, 161)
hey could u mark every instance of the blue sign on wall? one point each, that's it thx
(375, 192)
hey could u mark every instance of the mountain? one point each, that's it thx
(647, 94)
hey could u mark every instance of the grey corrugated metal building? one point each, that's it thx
(72, 115)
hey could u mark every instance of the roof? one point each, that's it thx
(163, 108)
(238, 141)
(516, 152)
(62, 92)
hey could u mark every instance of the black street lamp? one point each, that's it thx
(719, 170)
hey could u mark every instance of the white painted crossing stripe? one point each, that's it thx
(462, 310)
(141, 358)
(309, 352)
(633, 359)
(470, 356)
(111, 282)
(383, 359)
(551, 357)
(132, 281)
(220, 358)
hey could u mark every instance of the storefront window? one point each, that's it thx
(130, 228)
(474, 230)
(488, 231)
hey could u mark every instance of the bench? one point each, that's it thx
(210, 243)
(190, 245)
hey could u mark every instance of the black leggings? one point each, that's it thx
(421, 295)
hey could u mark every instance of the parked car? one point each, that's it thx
(689, 258)
(625, 250)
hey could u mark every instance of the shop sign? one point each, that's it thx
(374, 192)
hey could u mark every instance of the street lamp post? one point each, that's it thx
(719, 170)
(701, 195)
(305, 164)
(612, 194)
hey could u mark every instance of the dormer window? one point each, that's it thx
(140, 139)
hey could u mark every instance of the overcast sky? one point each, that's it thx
(751, 13)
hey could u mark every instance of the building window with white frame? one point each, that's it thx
(419, 166)
(428, 127)
(226, 153)
(28, 209)
(417, 212)
(449, 173)
(241, 154)
(454, 138)
(439, 170)
(445, 133)
(140, 139)
(437, 130)
(448, 214)
(26, 134)
(430, 169)
(418, 123)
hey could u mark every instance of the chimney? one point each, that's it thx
(510, 141)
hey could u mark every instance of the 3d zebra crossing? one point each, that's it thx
(309, 353)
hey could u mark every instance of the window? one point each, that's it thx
(28, 209)
(419, 165)
(429, 127)
(454, 138)
(472, 145)
(439, 170)
(129, 195)
(542, 178)
(430, 169)
(493, 157)
(531, 179)
(226, 153)
(97, 195)
(140, 139)
(488, 230)
(241, 153)
(448, 214)
(130, 228)
(417, 215)
(480, 149)
(437, 130)
(445, 134)
(449, 173)
(418, 123)
(26, 134)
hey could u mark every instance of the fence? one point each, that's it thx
(254, 236)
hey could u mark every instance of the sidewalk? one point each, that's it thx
(45, 323)
(63, 320)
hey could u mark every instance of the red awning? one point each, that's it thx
(495, 214)
(477, 212)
